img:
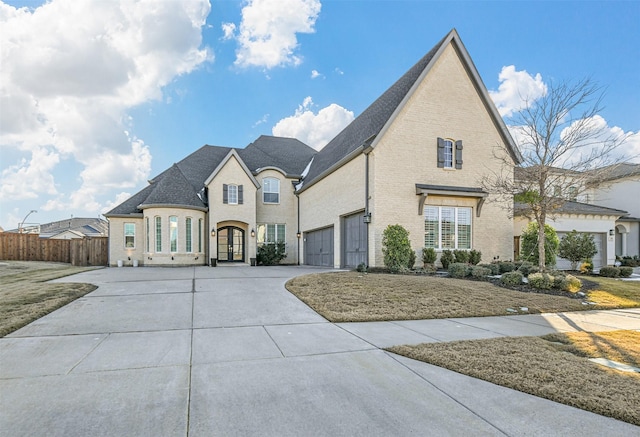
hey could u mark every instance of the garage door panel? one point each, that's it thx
(355, 241)
(319, 248)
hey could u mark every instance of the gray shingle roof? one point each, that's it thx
(173, 189)
(370, 122)
(287, 154)
(179, 184)
(571, 207)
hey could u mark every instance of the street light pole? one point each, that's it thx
(24, 220)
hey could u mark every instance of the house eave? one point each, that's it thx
(347, 158)
(173, 205)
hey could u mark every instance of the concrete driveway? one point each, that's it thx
(228, 351)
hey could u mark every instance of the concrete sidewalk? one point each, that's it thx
(228, 351)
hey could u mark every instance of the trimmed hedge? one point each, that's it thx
(459, 270)
(511, 278)
(610, 272)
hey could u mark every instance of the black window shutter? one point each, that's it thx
(459, 154)
(440, 153)
(239, 194)
(225, 193)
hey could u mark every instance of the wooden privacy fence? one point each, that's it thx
(78, 252)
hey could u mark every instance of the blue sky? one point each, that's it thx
(98, 97)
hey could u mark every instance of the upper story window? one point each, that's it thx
(232, 194)
(449, 153)
(271, 190)
(130, 235)
(573, 193)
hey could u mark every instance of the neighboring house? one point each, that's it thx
(414, 157)
(607, 210)
(71, 228)
(620, 189)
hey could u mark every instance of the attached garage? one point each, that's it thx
(318, 247)
(599, 259)
(354, 241)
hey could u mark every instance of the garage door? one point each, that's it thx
(599, 259)
(318, 247)
(355, 241)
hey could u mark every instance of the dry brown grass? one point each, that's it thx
(25, 297)
(554, 367)
(357, 297)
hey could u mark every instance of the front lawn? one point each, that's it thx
(25, 296)
(554, 367)
(360, 297)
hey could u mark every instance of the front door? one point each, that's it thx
(230, 244)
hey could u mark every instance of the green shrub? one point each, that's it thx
(542, 281)
(429, 255)
(526, 267)
(446, 258)
(461, 256)
(396, 248)
(270, 254)
(610, 272)
(571, 284)
(506, 266)
(475, 256)
(459, 270)
(412, 260)
(362, 268)
(511, 278)
(558, 279)
(429, 269)
(494, 267)
(529, 244)
(480, 272)
(625, 271)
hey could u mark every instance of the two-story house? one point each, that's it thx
(414, 157)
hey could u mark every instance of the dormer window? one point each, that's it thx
(271, 190)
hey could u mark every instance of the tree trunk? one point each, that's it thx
(541, 243)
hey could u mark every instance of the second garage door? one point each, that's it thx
(318, 247)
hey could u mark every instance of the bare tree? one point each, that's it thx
(566, 148)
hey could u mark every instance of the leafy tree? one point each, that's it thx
(529, 247)
(576, 247)
(396, 248)
(565, 149)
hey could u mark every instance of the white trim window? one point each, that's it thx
(130, 235)
(271, 233)
(448, 153)
(173, 233)
(188, 231)
(447, 227)
(148, 244)
(232, 194)
(158, 234)
(271, 190)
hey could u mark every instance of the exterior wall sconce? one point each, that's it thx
(367, 218)
(612, 232)
(213, 232)
(253, 233)
(298, 234)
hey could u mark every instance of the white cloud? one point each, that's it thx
(516, 90)
(315, 74)
(229, 30)
(71, 71)
(263, 120)
(24, 180)
(267, 33)
(316, 130)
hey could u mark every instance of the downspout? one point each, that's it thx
(298, 234)
(367, 213)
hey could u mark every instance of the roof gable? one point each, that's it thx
(172, 189)
(364, 131)
(232, 154)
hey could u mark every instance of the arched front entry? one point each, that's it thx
(231, 247)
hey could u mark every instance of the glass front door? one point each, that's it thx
(230, 244)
